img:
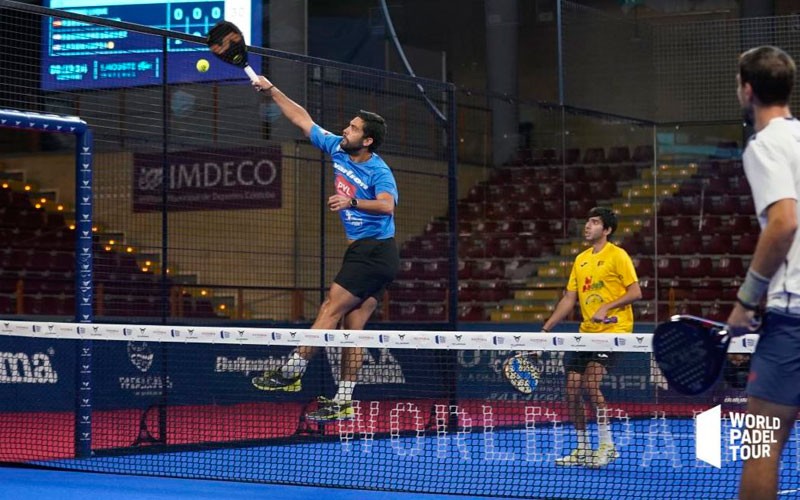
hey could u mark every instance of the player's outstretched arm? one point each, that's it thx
(294, 112)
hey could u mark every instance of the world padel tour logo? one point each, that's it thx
(749, 436)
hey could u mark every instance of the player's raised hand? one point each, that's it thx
(262, 84)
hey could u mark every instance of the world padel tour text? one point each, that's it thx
(751, 436)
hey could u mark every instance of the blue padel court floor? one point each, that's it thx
(656, 462)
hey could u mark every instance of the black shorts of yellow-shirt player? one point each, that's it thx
(577, 361)
(368, 267)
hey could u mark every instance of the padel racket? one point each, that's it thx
(522, 371)
(691, 351)
(227, 43)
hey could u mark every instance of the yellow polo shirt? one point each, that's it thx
(600, 278)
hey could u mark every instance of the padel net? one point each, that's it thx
(434, 411)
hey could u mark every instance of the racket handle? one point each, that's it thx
(251, 73)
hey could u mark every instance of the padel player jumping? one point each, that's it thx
(604, 281)
(366, 195)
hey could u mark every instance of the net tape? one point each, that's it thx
(235, 335)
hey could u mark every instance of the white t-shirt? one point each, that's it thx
(772, 165)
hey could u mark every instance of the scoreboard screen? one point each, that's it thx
(77, 55)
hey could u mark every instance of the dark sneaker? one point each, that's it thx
(331, 411)
(275, 381)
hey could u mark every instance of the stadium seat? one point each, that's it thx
(434, 270)
(742, 224)
(698, 267)
(643, 266)
(472, 312)
(572, 156)
(618, 154)
(643, 154)
(717, 243)
(669, 266)
(729, 267)
(746, 244)
(690, 243)
(706, 289)
(489, 270)
(505, 247)
(594, 155)
(466, 269)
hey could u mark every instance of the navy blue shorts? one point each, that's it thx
(775, 366)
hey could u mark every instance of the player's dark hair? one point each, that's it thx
(375, 127)
(606, 215)
(770, 72)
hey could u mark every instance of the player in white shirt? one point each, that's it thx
(772, 165)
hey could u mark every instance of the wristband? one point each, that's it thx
(268, 89)
(752, 290)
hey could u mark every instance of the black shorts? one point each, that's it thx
(577, 361)
(368, 267)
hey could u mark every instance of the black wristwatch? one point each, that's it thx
(353, 202)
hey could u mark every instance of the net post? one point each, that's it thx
(83, 286)
(26, 120)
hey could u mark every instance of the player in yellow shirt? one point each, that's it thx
(604, 282)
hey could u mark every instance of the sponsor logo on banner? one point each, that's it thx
(244, 365)
(224, 334)
(639, 342)
(175, 333)
(330, 337)
(748, 343)
(36, 328)
(402, 339)
(21, 368)
(379, 367)
(210, 179)
(498, 340)
(440, 339)
(384, 339)
(577, 341)
(558, 340)
(600, 343)
(535, 342)
(619, 341)
(80, 330)
(140, 355)
(276, 335)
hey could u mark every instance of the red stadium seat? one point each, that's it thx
(489, 269)
(643, 266)
(718, 244)
(471, 312)
(618, 154)
(746, 244)
(643, 154)
(698, 267)
(669, 267)
(690, 243)
(730, 267)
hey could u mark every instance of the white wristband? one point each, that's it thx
(752, 290)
